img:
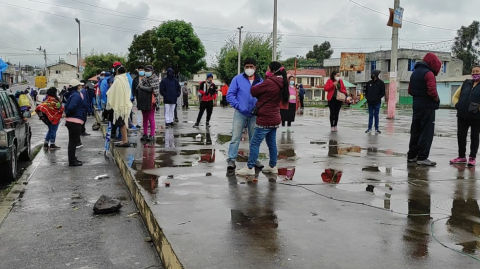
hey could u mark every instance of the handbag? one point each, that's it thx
(256, 109)
(340, 96)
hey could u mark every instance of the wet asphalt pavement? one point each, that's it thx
(53, 225)
(341, 200)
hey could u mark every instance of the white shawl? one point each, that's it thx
(118, 98)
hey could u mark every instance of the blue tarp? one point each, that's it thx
(3, 67)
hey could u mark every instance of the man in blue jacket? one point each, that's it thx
(104, 86)
(239, 97)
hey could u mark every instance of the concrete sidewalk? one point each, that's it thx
(53, 224)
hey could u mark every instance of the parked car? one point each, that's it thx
(15, 137)
(4, 85)
(42, 93)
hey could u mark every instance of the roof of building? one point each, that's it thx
(60, 64)
(308, 72)
(455, 79)
(348, 84)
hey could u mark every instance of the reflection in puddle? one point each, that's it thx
(332, 176)
(171, 140)
(286, 173)
(334, 148)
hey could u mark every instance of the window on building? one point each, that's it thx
(444, 67)
(373, 66)
(312, 82)
(57, 71)
(359, 72)
(299, 80)
(389, 65)
(411, 64)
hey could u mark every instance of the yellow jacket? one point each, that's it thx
(23, 101)
(456, 96)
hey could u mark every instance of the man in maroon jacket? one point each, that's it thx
(423, 88)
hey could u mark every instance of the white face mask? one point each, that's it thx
(292, 82)
(249, 72)
(337, 78)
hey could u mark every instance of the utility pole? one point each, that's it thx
(45, 58)
(392, 93)
(239, 48)
(80, 69)
(274, 50)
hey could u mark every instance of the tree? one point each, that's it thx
(258, 47)
(290, 62)
(103, 62)
(466, 44)
(321, 52)
(165, 55)
(187, 47)
(142, 49)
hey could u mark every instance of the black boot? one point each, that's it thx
(53, 146)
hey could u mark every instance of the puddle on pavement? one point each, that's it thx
(170, 140)
(335, 149)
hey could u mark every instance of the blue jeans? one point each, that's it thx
(51, 134)
(373, 111)
(239, 121)
(99, 102)
(270, 136)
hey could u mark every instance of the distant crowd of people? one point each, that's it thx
(261, 107)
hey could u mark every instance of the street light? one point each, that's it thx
(79, 49)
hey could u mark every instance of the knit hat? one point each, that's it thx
(209, 75)
(149, 67)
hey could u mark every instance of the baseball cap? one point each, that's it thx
(75, 82)
(116, 64)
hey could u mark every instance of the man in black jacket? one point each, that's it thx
(374, 93)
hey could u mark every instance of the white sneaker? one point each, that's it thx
(289, 130)
(246, 172)
(270, 170)
(283, 129)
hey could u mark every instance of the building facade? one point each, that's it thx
(407, 58)
(312, 81)
(61, 74)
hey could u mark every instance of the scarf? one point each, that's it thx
(52, 109)
(118, 98)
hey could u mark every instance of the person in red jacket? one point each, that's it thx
(269, 95)
(209, 92)
(333, 86)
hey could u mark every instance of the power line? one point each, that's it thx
(17, 34)
(412, 22)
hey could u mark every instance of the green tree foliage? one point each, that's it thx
(258, 47)
(466, 45)
(165, 56)
(321, 52)
(100, 62)
(142, 49)
(289, 63)
(189, 52)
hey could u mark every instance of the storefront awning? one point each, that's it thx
(348, 84)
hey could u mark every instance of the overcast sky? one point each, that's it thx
(301, 24)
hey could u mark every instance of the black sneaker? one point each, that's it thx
(85, 134)
(368, 131)
(138, 127)
(79, 145)
(53, 146)
(123, 145)
(45, 145)
(150, 138)
(208, 124)
(259, 165)
(414, 160)
(144, 138)
(231, 164)
(426, 162)
(176, 120)
(75, 163)
(378, 132)
(196, 125)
